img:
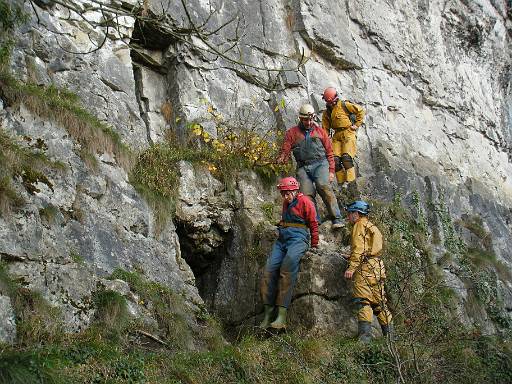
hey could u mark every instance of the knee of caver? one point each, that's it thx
(347, 161)
(360, 303)
(338, 164)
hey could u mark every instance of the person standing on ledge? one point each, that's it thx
(312, 151)
(344, 118)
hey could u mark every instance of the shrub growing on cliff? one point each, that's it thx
(37, 322)
(244, 142)
(166, 306)
(112, 315)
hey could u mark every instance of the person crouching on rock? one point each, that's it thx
(282, 266)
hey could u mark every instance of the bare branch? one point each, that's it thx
(207, 43)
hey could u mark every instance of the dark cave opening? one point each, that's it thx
(204, 259)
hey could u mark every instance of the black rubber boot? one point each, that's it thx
(387, 329)
(365, 331)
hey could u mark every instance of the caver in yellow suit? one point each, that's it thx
(366, 269)
(337, 117)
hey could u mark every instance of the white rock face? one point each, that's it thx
(66, 239)
(433, 76)
(434, 80)
(7, 320)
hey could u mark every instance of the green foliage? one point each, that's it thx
(156, 167)
(475, 225)
(23, 367)
(496, 359)
(421, 219)
(11, 15)
(411, 273)
(112, 314)
(76, 257)
(155, 176)
(49, 213)
(27, 162)
(37, 322)
(268, 210)
(7, 285)
(89, 357)
(452, 241)
(166, 306)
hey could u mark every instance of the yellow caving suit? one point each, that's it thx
(369, 272)
(344, 139)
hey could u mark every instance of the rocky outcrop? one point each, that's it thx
(434, 77)
(67, 239)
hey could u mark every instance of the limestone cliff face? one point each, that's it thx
(433, 76)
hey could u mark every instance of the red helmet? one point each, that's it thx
(330, 95)
(288, 184)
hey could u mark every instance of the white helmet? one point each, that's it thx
(307, 110)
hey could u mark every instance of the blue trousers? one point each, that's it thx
(282, 266)
(314, 178)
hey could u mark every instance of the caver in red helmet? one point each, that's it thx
(288, 184)
(330, 95)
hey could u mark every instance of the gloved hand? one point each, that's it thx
(281, 160)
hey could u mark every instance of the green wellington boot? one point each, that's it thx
(269, 310)
(280, 322)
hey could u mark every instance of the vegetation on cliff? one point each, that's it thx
(243, 142)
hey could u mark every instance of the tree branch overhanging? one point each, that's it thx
(220, 45)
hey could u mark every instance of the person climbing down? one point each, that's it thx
(366, 269)
(282, 266)
(344, 118)
(312, 151)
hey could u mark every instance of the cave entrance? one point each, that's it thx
(204, 258)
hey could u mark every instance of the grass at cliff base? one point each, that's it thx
(291, 358)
